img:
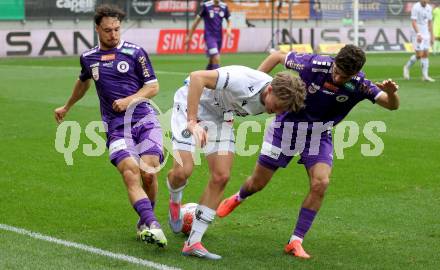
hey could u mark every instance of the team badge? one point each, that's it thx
(186, 133)
(221, 13)
(123, 67)
(342, 98)
(95, 73)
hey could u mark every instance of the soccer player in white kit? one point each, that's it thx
(422, 38)
(202, 116)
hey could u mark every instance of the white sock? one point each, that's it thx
(425, 66)
(294, 237)
(204, 217)
(176, 193)
(412, 60)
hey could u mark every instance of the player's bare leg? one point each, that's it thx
(220, 165)
(256, 182)
(214, 62)
(176, 182)
(131, 175)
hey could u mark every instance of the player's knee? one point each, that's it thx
(180, 174)
(319, 185)
(131, 175)
(220, 178)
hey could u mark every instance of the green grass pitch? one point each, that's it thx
(379, 213)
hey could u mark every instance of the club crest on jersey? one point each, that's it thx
(95, 73)
(123, 67)
(108, 57)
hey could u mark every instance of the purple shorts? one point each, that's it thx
(213, 45)
(282, 143)
(137, 141)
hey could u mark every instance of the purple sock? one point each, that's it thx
(153, 203)
(209, 67)
(244, 193)
(145, 211)
(305, 220)
(215, 66)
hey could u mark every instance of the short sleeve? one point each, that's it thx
(144, 67)
(85, 73)
(298, 62)
(369, 90)
(203, 12)
(414, 13)
(227, 13)
(223, 79)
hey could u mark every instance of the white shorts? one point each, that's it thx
(424, 45)
(218, 124)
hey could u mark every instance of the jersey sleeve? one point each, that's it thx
(85, 73)
(203, 12)
(414, 13)
(369, 90)
(298, 62)
(144, 68)
(227, 13)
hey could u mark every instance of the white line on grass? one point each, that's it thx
(116, 256)
(177, 73)
(78, 69)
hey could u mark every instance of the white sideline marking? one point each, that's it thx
(116, 256)
(79, 69)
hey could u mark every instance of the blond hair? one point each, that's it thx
(291, 91)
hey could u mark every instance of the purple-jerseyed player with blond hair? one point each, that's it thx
(124, 79)
(334, 87)
(212, 12)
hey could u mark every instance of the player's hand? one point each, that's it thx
(120, 105)
(388, 86)
(229, 33)
(60, 113)
(199, 133)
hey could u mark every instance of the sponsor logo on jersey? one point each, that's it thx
(127, 51)
(296, 66)
(323, 70)
(94, 65)
(123, 67)
(186, 133)
(331, 87)
(108, 57)
(143, 63)
(342, 98)
(108, 64)
(95, 73)
(313, 88)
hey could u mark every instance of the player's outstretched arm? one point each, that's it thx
(271, 61)
(147, 91)
(78, 92)
(191, 31)
(390, 99)
(199, 80)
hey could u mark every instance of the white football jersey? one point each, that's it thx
(422, 15)
(238, 90)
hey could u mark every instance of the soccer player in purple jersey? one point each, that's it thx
(124, 79)
(335, 86)
(213, 12)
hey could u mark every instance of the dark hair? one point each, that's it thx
(107, 10)
(350, 59)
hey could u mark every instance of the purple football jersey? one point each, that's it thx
(213, 18)
(118, 73)
(326, 101)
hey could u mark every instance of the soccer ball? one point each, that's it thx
(188, 214)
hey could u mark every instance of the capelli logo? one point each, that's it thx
(77, 6)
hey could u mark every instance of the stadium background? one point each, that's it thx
(380, 212)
